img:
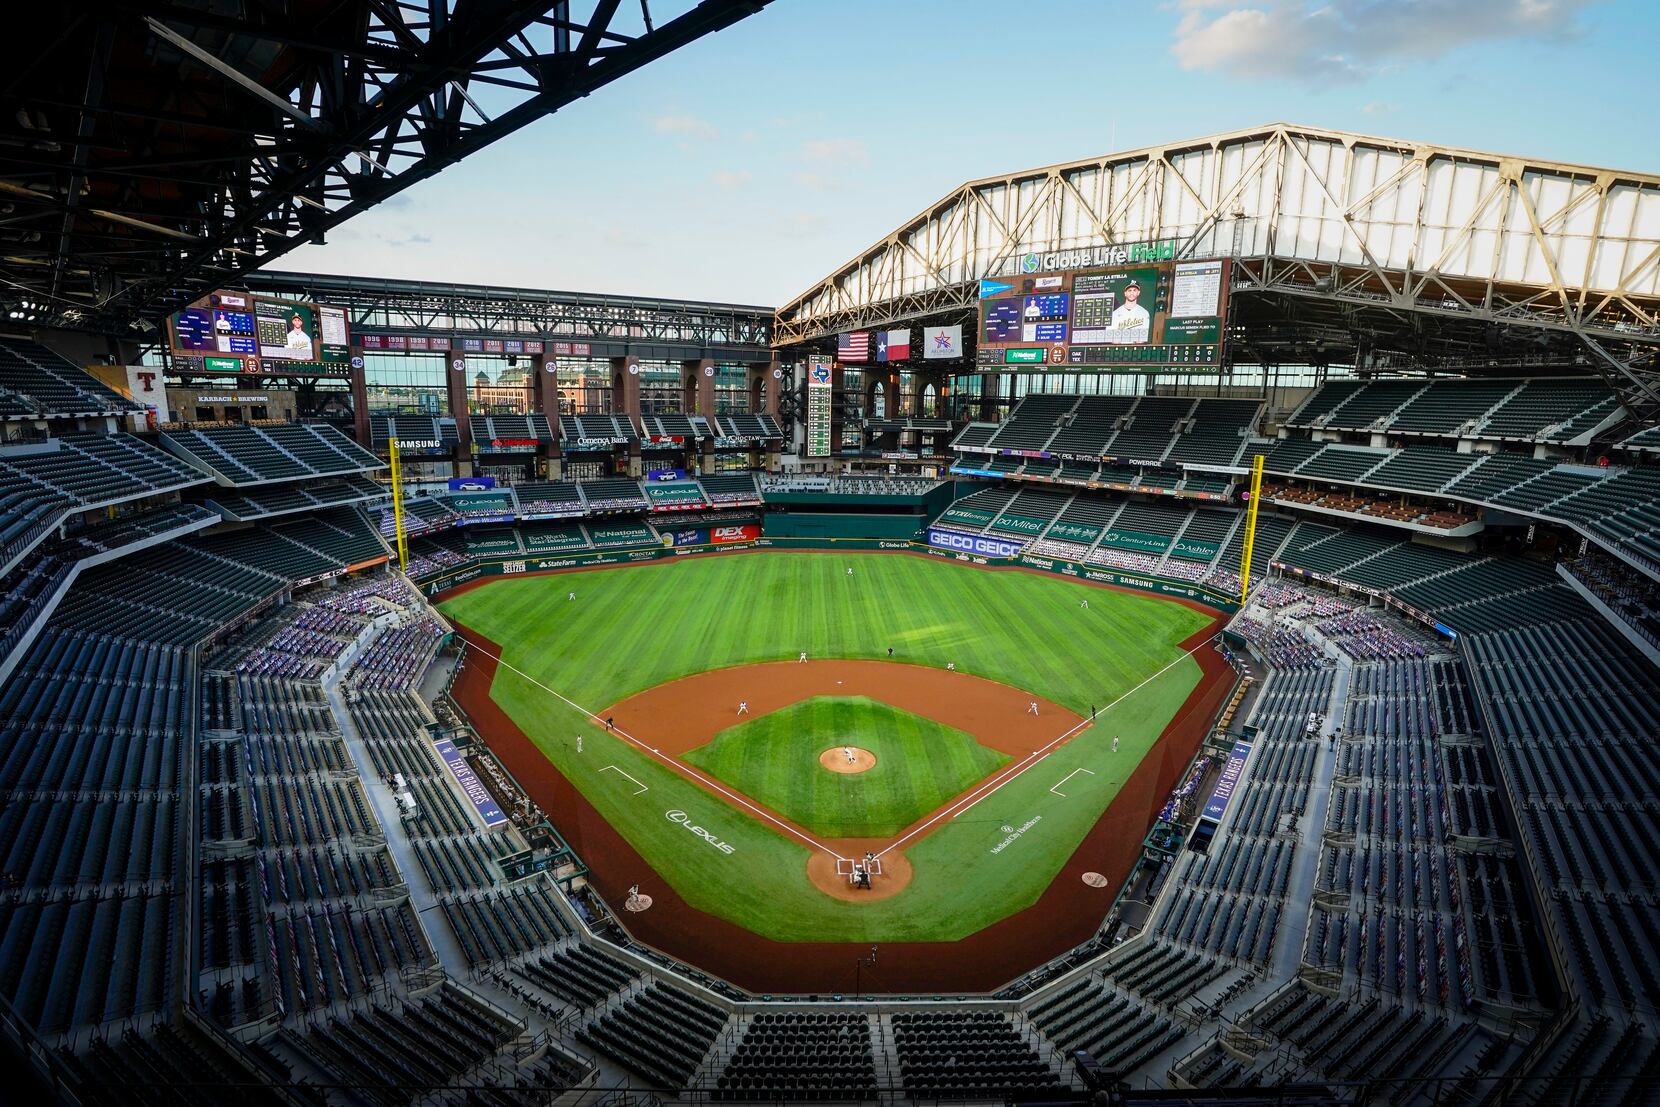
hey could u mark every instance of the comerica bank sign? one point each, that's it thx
(1089, 257)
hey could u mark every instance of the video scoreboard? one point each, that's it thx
(1156, 314)
(235, 332)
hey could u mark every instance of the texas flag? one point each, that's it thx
(893, 345)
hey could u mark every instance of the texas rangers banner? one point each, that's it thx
(942, 342)
(1232, 769)
(483, 802)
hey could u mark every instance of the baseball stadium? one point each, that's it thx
(1180, 626)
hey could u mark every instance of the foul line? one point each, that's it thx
(674, 766)
(982, 791)
(643, 789)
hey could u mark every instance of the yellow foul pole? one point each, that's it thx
(1250, 528)
(397, 502)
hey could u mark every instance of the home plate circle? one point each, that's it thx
(1095, 880)
(638, 903)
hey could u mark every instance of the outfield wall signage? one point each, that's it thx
(1217, 805)
(477, 794)
(972, 543)
(1184, 590)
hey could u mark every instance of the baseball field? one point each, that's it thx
(749, 781)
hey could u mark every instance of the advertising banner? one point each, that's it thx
(725, 536)
(972, 543)
(477, 794)
(471, 484)
(1217, 805)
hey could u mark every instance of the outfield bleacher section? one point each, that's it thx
(36, 383)
(1541, 409)
(255, 454)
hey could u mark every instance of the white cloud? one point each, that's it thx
(1377, 107)
(1351, 39)
(835, 149)
(681, 124)
(815, 182)
(731, 180)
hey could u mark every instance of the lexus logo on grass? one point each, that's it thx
(685, 820)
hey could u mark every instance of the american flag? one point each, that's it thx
(853, 347)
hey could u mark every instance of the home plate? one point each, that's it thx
(643, 902)
(1095, 880)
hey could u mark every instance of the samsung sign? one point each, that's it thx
(973, 543)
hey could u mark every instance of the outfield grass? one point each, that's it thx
(920, 764)
(634, 628)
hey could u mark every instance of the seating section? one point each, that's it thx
(36, 383)
(578, 432)
(799, 1055)
(91, 748)
(266, 501)
(510, 431)
(412, 429)
(751, 427)
(548, 498)
(962, 1053)
(614, 495)
(661, 1033)
(40, 483)
(256, 454)
(733, 488)
(1536, 409)
(1217, 432)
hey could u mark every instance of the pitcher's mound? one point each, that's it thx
(847, 759)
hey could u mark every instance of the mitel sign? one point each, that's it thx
(972, 543)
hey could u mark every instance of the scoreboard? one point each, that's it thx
(235, 332)
(1157, 314)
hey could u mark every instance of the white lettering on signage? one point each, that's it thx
(1011, 834)
(685, 820)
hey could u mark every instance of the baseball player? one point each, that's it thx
(743, 707)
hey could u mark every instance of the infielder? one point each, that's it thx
(743, 707)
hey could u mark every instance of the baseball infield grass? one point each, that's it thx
(632, 629)
(920, 764)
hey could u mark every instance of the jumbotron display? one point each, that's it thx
(235, 332)
(1149, 314)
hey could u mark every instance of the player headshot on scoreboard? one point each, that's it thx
(1130, 321)
(298, 339)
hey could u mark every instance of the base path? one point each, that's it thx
(847, 759)
(681, 715)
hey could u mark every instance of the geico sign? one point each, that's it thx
(685, 820)
(953, 541)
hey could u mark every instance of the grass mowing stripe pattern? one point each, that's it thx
(632, 629)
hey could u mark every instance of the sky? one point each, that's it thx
(749, 165)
